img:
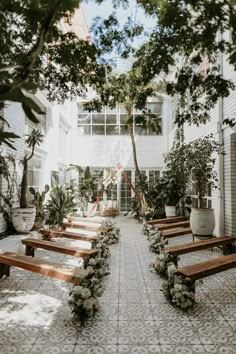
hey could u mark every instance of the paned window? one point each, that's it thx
(113, 121)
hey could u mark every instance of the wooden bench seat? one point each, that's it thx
(166, 220)
(168, 226)
(200, 245)
(204, 269)
(72, 235)
(178, 231)
(91, 220)
(86, 227)
(32, 243)
(60, 271)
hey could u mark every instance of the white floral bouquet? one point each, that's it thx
(147, 229)
(114, 234)
(178, 289)
(157, 242)
(84, 297)
(110, 178)
(164, 262)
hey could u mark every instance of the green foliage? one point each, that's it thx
(30, 34)
(33, 139)
(130, 91)
(38, 201)
(188, 32)
(8, 173)
(200, 159)
(153, 198)
(175, 176)
(60, 204)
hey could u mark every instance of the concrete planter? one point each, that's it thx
(202, 222)
(170, 211)
(23, 219)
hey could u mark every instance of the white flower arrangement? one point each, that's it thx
(114, 234)
(84, 297)
(157, 241)
(178, 289)
(165, 263)
(110, 178)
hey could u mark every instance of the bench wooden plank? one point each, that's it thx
(204, 269)
(172, 225)
(91, 220)
(166, 220)
(66, 234)
(32, 243)
(200, 245)
(177, 232)
(64, 272)
(86, 227)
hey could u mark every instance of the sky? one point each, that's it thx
(92, 10)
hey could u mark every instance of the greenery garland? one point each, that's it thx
(114, 234)
(84, 298)
(179, 290)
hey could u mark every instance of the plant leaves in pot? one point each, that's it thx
(23, 217)
(200, 162)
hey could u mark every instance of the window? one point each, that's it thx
(206, 201)
(153, 175)
(113, 121)
(125, 192)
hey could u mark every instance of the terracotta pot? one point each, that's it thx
(202, 222)
(23, 219)
(170, 211)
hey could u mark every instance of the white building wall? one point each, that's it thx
(223, 200)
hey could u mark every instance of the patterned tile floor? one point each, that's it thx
(134, 318)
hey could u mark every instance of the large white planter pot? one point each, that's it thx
(202, 222)
(3, 224)
(170, 211)
(23, 219)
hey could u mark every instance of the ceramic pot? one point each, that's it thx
(23, 219)
(170, 211)
(202, 222)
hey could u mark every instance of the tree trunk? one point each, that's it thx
(24, 184)
(131, 133)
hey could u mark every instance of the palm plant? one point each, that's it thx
(33, 139)
(60, 204)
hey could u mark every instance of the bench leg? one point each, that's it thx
(4, 270)
(29, 251)
(229, 248)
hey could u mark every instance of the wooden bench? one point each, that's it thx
(166, 220)
(163, 227)
(92, 220)
(32, 243)
(64, 272)
(86, 227)
(49, 233)
(179, 231)
(204, 269)
(200, 245)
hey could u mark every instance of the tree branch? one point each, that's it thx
(35, 51)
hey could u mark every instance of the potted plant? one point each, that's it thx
(24, 216)
(175, 176)
(60, 204)
(200, 158)
(171, 192)
(38, 203)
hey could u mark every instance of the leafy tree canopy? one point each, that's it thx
(188, 31)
